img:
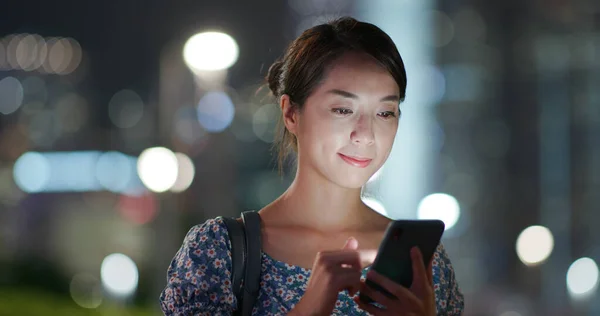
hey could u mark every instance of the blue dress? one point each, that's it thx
(199, 280)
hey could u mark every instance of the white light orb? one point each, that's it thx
(157, 168)
(210, 51)
(439, 206)
(185, 173)
(32, 172)
(534, 245)
(119, 275)
(582, 277)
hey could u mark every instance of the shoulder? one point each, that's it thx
(208, 239)
(198, 278)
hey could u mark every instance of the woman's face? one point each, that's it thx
(347, 126)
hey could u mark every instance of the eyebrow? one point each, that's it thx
(349, 95)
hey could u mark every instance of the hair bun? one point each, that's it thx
(274, 77)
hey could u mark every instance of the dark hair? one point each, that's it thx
(304, 64)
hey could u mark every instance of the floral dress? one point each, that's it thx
(199, 280)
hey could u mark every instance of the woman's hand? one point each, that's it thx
(332, 272)
(418, 301)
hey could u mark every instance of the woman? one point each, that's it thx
(339, 87)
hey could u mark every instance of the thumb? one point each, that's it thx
(351, 243)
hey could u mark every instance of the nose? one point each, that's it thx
(363, 131)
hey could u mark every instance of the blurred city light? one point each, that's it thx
(444, 29)
(185, 173)
(119, 275)
(582, 278)
(81, 171)
(186, 125)
(116, 171)
(210, 51)
(86, 290)
(11, 95)
(157, 168)
(29, 52)
(125, 108)
(440, 206)
(138, 209)
(534, 245)
(215, 111)
(32, 172)
(469, 25)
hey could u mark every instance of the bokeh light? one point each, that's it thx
(186, 126)
(119, 275)
(469, 25)
(11, 50)
(210, 51)
(185, 173)
(444, 28)
(157, 168)
(3, 63)
(79, 171)
(215, 111)
(582, 278)
(125, 108)
(86, 290)
(116, 171)
(32, 172)
(31, 52)
(534, 245)
(11, 95)
(440, 206)
(138, 209)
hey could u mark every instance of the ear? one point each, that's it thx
(290, 113)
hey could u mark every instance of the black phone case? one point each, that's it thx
(393, 258)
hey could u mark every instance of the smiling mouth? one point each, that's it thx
(356, 162)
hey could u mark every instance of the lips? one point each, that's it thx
(356, 161)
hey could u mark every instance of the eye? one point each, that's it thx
(341, 111)
(387, 114)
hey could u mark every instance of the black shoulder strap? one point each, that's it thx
(251, 286)
(246, 258)
(237, 237)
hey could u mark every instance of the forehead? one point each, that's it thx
(360, 74)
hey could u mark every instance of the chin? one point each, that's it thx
(352, 181)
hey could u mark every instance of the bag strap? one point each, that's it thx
(251, 285)
(246, 258)
(237, 236)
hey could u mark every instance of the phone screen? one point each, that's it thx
(393, 258)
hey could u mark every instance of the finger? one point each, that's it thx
(351, 243)
(347, 279)
(371, 309)
(355, 258)
(430, 272)
(379, 297)
(418, 265)
(402, 293)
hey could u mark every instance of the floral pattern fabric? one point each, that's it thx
(199, 280)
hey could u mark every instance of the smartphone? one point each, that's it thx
(393, 258)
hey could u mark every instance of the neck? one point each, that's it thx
(315, 202)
